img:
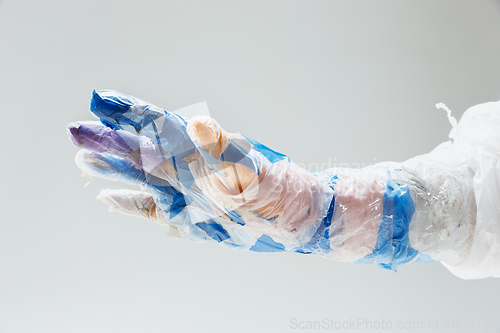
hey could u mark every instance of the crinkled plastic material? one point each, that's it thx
(209, 185)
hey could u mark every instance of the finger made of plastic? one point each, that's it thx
(138, 150)
(133, 203)
(110, 167)
(120, 111)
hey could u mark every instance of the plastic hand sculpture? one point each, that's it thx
(207, 184)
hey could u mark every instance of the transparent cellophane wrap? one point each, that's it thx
(207, 184)
(457, 218)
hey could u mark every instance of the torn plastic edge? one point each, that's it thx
(86, 175)
(453, 121)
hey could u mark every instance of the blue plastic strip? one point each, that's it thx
(320, 241)
(235, 154)
(267, 244)
(178, 204)
(235, 216)
(393, 244)
(272, 155)
(111, 109)
(214, 230)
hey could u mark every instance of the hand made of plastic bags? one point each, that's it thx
(207, 184)
(204, 183)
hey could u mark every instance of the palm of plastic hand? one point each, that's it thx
(203, 182)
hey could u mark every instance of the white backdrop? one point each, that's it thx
(326, 82)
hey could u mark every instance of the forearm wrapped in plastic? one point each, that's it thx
(207, 184)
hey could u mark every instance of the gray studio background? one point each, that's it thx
(324, 81)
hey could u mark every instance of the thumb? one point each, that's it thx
(229, 166)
